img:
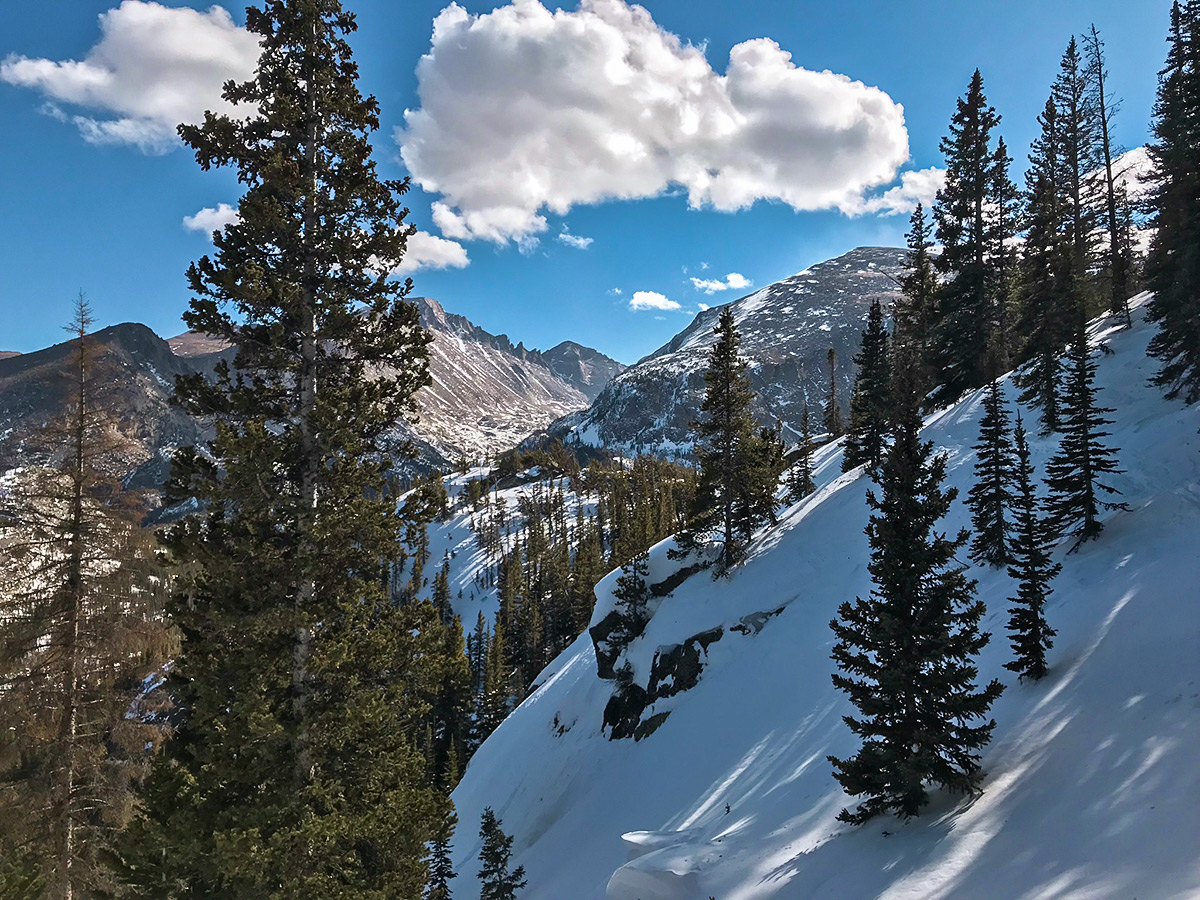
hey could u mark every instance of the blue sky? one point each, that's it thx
(578, 160)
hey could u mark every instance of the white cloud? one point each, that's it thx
(615, 292)
(525, 110)
(574, 240)
(211, 219)
(915, 187)
(153, 68)
(703, 307)
(651, 300)
(734, 281)
(428, 251)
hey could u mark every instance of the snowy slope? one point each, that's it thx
(1093, 788)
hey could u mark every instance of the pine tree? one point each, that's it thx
(832, 418)
(632, 593)
(441, 869)
(724, 437)
(906, 654)
(496, 881)
(1079, 155)
(1046, 303)
(81, 627)
(1074, 472)
(991, 494)
(800, 476)
(968, 215)
(298, 769)
(916, 309)
(1173, 265)
(758, 501)
(1033, 569)
(1006, 217)
(869, 402)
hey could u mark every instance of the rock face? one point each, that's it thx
(787, 330)
(486, 394)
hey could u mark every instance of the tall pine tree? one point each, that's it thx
(916, 310)
(832, 417)
(800, 476)
(870, 401)
(497, 881)
(1033, 569)
(991, 494)
(1173, 265)
(906, 654)
(297, 770)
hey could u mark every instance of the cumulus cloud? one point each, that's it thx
(428, 251)
(651, 300)
(915, 187)
(524, 110)
(734, 281)
(574, 240)
(154, 67)
(211, 218)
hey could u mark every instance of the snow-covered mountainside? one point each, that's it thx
(1092, 790)
(787, 330)
(487, 394)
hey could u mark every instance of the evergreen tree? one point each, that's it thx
(991, 495)
(297, 770)
(758, 501)
(1045, 300)
(869, 402)
(906, 654)
(1173, 265)
(81, 627)
(916, 310)
(1074, 472)
(1003, 255)
(496, 881)
(968, 214)
(724, 437)
(441, 869)
(632, 593)
(1033, 569)
(832, 419)
(800, 477)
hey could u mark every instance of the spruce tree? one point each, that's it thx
(758, 501)
(724, 438)
(800, 476)
(1074, 473)
(297, 770)
(497, 882)
(81, 628)
(915, 311)
(832, 418)
(1079, 155)
(1031, 567)
(1173, 265)
(968, 216)
(906, 654)
(441, 869)
(866, 436)
(632, 593)
(991, 494)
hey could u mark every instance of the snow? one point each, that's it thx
(1093, 789)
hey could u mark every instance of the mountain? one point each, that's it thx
(787, 330)
(486, 394)
(1092, 787)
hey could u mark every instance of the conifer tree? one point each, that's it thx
(441, 869)
(297, 770)
(632, 593)
(724, 437)
(1079, 155)
(497, 882)
(906, 654)
(869, 402)
(1033, 569)
(1173, 265)
(968, 216)
(758, 502)
(916, 310)
(1046, 303)
(800, 477)
(1074, 473)
(81, 627)
(832, 419)
(991, 494)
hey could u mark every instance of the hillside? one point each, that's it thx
(787, 329)
(1092, 792)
